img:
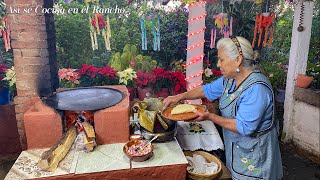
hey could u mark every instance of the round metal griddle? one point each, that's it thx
(84, 99)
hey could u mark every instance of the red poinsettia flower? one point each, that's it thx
(162, 74)
(89, 70)
(3, 69)
(145, 79)
(108, 71)
(180, 82)
(216, 72)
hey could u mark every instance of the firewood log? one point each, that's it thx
(50, 159)
(88, 136)
(89, 131)
(88, 144)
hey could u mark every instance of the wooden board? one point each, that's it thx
(50, 159)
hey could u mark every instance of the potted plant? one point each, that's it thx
(163, 82)
(94, 76)
(69, 78)
(126, 77)
(311, 77)
(313, 69)
(179, 82)
(277, 73)
(4, 89)
(144, 81)
(7, 84)
(303, 81)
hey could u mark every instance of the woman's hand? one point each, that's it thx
(202, 116)
(171, 100)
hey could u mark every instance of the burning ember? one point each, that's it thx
(76, 117)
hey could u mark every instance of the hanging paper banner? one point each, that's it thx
(91, 1)
(221, 22)
(155, 28)
(98, 24)
(156, 33)
(263, 23)
(5, 32)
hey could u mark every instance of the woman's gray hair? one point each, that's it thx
(250, 57)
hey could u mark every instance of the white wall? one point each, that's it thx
(306, 127)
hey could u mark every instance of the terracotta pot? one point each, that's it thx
(4, 96)
(144, 92)
(132, 92)
(164, 92)
(303, 81)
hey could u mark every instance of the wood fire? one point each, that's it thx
(75, 122)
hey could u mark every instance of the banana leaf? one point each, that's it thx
(149, 111)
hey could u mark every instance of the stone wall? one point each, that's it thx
(306, 123)
(33, 43)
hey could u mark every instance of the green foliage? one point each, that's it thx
(313, 69)
(125, 29)
(73, 40)
(144, 63)
(243, 14)
(2, 8)
(277, 56)
(122, 61)
(173, 27)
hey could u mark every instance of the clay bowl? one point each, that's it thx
(136, 158)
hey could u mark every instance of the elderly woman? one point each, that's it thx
(247, 108)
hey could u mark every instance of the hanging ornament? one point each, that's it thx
(5, 32)
(156, 32)
(107, 34)
(153, 22)
(99, 26)
(91, 1)
(300, 27)
(263, 23)
(221, 22)
(143, 34)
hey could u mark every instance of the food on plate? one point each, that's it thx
(183, 108)
(139, 149)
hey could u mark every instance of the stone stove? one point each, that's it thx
(44, 125)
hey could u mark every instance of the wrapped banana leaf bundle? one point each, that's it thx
(149, 111)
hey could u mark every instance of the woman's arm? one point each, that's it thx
(189, 95)
(227, 123)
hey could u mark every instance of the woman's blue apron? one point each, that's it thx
(256, 156)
